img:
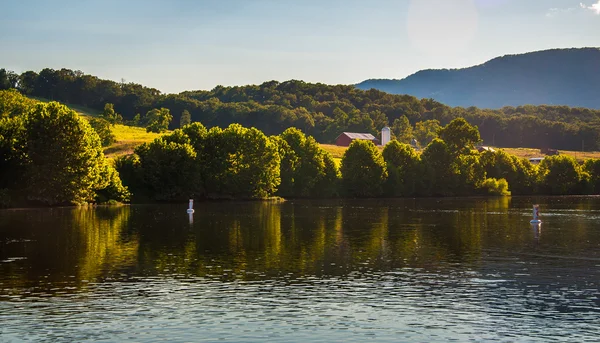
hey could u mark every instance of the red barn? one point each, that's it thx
(347, 137)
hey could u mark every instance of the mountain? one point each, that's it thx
(552, 77)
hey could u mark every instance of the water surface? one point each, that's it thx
(383, 270)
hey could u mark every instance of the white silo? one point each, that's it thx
(386, 134)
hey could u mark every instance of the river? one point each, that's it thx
(393, 270)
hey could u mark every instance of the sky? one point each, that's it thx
(177, 45)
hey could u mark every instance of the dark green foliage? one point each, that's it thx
(102, 128)
(65, 163)
(303, 166)
(13, 158)
(561, 175)
(363, 170)
(592, 168)
(403, 165)
(402, 130)
(196, 133)
(49, 155)
(8, 79)
(186, 118)
(157, 120)
(426, 131)
(440, 172)
(110, 116)
(519, 173)
(240, 162)
(168, 170)
(129, 170)
(328, 184)
(460, 137)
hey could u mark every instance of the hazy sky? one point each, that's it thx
(180, 45)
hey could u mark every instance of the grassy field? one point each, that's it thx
(529, 153)
(128, 137)
(338, 151)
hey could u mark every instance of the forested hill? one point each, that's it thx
(554, 77)
(322, 111)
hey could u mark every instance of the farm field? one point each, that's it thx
(338, 151)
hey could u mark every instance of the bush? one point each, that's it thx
(495, 187)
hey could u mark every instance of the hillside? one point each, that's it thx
(127, 137)
(553, 77)
(320, 110)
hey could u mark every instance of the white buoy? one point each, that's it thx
(191, 208)
(536, 215)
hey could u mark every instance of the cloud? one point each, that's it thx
(594, 8)
(555, 12)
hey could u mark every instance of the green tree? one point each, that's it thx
(102, 128)
(168, 169)
(426, 131)
(110, 115)
(158, 120)
(403, 169)
(460, 136)
(519, 173)
(186, 118)
(402, 130)
(12, 103)
(363, 170)
(561, 175)
(439, 170)
(305, 164)
(65, 159)
(240, 162)
(592, 167)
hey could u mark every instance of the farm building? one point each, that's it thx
(485, 148)
(347, 137)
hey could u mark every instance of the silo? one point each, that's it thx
(386, 135)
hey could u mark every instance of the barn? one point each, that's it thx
(347, 137)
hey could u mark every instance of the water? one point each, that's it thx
(423, 270)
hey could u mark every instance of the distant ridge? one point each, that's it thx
(552, 77)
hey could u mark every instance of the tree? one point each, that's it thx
(110, 115)
(561, 175)
(426, 131)
(304, 162)
(168, 169)
(186, 118)
(402, 129)
(240, 162)
(65, 159)
(592, 167)
(158, 120)
(8, 79)
(460, 136)
(403, 169)
(102, 128)
(363, 170)
(439, 170)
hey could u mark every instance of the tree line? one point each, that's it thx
(51, 156)
(319, 110)
(239, 162)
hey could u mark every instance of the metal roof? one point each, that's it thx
(354, 135)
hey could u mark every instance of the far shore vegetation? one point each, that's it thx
(52, 154)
